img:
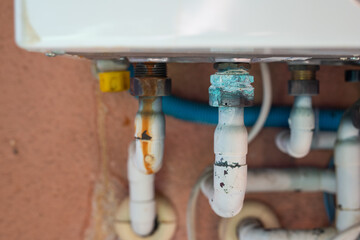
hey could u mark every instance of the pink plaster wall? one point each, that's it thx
(51, 150)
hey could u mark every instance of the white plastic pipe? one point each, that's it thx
(265, 108)
(323, 140)
(142, 197)
(298, 179)
(284, 180)
(230, 169)
(302, 123)
(251, 229)
(347, 166)
(149, 135)
(349, 233)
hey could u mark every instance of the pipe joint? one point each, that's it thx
(302, 123)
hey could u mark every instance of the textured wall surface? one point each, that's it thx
(63, 146)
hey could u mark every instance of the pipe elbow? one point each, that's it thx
(300, 143)
(230, 170)
(229, 186)
(297, 143)
(226, 211)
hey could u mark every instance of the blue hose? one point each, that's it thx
(329, 119)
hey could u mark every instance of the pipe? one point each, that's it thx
(230, 169)
(298, 179)
(260, 121)
(187, 110)
(302, 123)
(252, 229)
(323, 140)
(149, 135)
(284, 180)
(347, 167)
(349, 233)
(142, 197)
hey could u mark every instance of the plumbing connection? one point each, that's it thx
(150, 84)
(230, 91)
(303, 85)
(146, 153)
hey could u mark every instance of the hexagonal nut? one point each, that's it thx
(220, 98)
(231, 90)
(303, 87)
(150, 86)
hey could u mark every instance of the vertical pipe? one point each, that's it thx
(230, 169)
(149, 135)
(347, 166)
(142, 197)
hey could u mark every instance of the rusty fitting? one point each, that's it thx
(150, 80)
(303, 80)
(149, 84)
(231, 86)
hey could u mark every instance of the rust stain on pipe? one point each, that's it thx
(146, 130)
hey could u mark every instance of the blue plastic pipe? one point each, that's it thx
(328, 119)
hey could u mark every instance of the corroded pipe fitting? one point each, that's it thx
(231, 86)
(303, 80)
(150, 80)
(149, 84)
(230, 91)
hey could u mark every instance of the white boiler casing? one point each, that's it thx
(211, 28)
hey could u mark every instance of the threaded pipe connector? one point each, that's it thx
(303, 80)
(150, 70)
(150, 80)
